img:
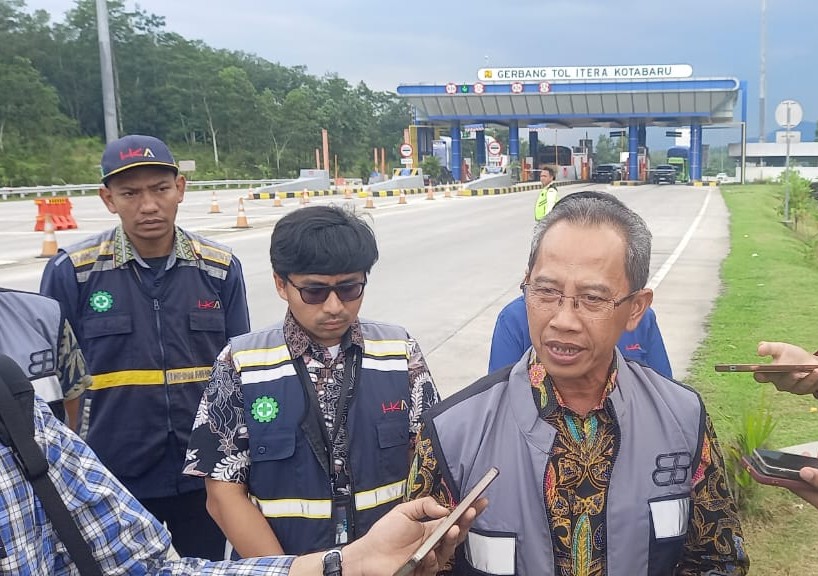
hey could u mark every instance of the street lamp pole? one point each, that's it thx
(107, 72)
(762, 89)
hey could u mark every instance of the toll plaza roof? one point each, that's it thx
(666, 102)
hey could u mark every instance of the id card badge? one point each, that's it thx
(340, 520)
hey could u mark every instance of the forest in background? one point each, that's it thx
(236, 114)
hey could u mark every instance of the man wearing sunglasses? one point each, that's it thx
(607, 467)
(305, 433)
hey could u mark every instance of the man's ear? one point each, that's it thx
(107, 198)
(281, 287)
(639, 304)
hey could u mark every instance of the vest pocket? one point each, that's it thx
(273, 446)
(207, 321)
(669, 518)
(99, 326)
(492, 553)
(393, 456)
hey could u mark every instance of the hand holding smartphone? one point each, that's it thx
(435, 537)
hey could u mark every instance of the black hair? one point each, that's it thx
(547, 169)
(325, 240)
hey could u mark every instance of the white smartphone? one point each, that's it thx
(435, 537)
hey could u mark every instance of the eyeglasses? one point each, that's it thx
(318, 294)
(585, 305)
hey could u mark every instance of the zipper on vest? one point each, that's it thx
(156, 309)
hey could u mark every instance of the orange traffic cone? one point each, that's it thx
(402, 197)
(50, 239)
(214, 205)
(369, 202)
(305, 197)
(276, 201)
(241, 221)
(430, 193)
(447, 191)
(347, 194)
(250, 193)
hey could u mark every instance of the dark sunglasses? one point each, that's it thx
(318, 294)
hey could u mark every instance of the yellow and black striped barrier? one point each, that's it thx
(285, 195)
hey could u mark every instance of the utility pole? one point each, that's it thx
(107, 72)
(762, 89)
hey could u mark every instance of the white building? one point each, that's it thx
(767, 160)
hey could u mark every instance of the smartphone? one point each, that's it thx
(775, 463)
(766, 367)
(435, 537)
(760, 476)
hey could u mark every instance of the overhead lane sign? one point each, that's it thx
(552, 73)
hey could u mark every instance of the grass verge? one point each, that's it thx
(769, 292)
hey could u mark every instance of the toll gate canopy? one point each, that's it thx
(630, 98)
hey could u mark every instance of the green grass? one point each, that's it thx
(769, 292)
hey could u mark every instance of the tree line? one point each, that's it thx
(236, 114)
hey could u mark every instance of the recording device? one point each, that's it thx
(435, 537)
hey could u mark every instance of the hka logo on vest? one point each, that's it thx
(672, 468)
(398, 406)
(209, 305)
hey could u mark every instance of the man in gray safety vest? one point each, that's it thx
(606, 467)
(35, 334)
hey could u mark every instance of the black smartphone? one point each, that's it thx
(435, 537)
(782, 464)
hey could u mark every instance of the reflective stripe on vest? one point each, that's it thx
(261, 357)
(48, 388)
(300, 508)
(385, 347)
(380, 495)
(150, 377)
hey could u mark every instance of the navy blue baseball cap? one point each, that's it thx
(134, 151)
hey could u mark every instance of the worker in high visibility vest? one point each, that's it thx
(548, 194)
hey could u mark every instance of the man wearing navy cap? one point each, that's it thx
(152, 305)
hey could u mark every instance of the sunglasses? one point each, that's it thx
(318, 294)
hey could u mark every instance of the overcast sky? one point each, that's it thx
(387, 42)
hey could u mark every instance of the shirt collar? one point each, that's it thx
(548, 397)
(299, 342)
(124, 250)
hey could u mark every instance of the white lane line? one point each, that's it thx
(657, 278)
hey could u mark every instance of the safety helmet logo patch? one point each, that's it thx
(101, 301)
(265, 409)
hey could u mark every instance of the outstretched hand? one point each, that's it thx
(795, 382)
(396, 536)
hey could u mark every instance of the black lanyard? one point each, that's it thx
(352, 364)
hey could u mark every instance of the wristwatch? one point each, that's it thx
(332, 563)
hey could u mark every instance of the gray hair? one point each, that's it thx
(591, 208)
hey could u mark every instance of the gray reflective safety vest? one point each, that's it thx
(289, 477)
(494, 422)
(30, 332)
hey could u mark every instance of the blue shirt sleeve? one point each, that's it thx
(511, 338)
(234, 300)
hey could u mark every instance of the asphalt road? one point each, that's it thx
(447, 266)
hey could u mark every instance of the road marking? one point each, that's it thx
(657, 278)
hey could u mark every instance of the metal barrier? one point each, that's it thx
(82, 189)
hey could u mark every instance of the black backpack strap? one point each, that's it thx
(16, 419)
